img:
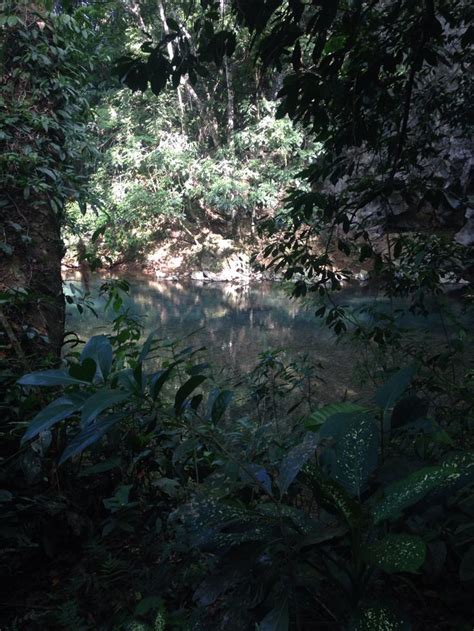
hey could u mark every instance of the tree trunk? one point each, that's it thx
(169, 47)
(37, 177)
(230, 90)
(31, 277)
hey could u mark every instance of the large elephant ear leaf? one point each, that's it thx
(397, 553)
(355, 451)
(100, 350)
(377, 617)
(410, 490)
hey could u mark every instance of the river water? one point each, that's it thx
(236, 323)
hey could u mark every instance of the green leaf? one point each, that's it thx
(158, 379)
(278, 619)
(221, 403)
(335, 43)
(378, 618)
(100, 401)
(150, 603)
(147, 346)
(354, 454)
(318, 417)
(49, 378)
(102, 467)
(397, 553)
(388, 394)
(258, 476)
(119, 500)
(56, 411)
(295, 460)
(331, 495)
(168, 486)
(100, 350)
(185, 391)
(413, 488)
(90, 435)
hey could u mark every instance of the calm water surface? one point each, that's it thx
(236, 323)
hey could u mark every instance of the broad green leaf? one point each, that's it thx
(354, 454)
(378, 618)
(100, 401)
(186, 389)
(278, 619)
(221, 581)
(100, 350)
(49, 378)
(295, 459)
(397, 553)
(318, 417)
(159, 378)
(119, 500)
(413, 488)
(56, 411)
(205, 518)
(335, 43)
(168, 486)
(89, 435)
(150, 603)
(102, 467)
(258, 476)
(147, 346)
(299, 520)
(221, 403)
(388, 394)
(127, 379)
(331, 495)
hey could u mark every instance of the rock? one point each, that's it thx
(465, 236)
(362, 277)
(198, 275)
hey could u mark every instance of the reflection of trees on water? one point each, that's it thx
(234, 323)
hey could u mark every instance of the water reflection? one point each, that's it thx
(235, 324)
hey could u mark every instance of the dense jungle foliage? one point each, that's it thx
(321, 143)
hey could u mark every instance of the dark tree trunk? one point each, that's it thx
(32, 308)
(31, 276)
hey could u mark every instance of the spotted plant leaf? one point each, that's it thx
(206, 518)
(331, 495)
(413, 488)
(378, 618)
(353, 456)
(397, 553)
